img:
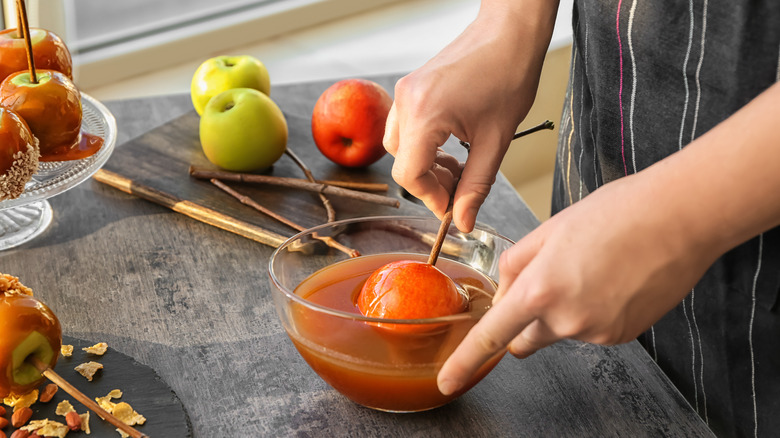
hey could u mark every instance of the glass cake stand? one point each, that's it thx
(25, 217)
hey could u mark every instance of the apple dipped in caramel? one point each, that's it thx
(29, 330)
(409, 289)
(51, 106)
(49, 52)
(18, 154)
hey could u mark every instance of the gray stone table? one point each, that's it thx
(193, 303)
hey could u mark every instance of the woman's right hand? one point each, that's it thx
(479, 89)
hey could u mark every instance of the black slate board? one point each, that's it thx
(142, 388)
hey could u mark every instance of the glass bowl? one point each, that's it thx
(384, 364)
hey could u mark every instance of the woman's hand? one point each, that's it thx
(479, 88)
(608, 267)
(601, 271)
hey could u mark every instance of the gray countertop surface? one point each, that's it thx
(193, 303)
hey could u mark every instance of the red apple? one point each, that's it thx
(348, 122)
(49, 52)
(408, 289)
(51, 107)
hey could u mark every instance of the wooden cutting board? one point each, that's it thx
(156, 165)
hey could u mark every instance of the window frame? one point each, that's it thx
(166, 49)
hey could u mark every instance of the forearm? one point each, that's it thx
(526, 28)
(478, 88)
(724, 188)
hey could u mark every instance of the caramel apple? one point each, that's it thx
(408, 289)
(29, 330)
(18, 154)
(52, 109)
(49, 51)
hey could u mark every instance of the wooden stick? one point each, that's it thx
(325, 201)
(246, 200)
(443, 228)
(24, 25)
(191, 209)
(547, 124)
(83, 399)
(294, 183)
(355, 185)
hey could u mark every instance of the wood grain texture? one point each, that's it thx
(193, 303)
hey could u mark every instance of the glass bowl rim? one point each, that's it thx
(357, 316)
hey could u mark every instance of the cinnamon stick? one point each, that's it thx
(83, 399)
(294, 183)
(191, 209)
(246, 200)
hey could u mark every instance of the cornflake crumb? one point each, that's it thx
(122, 411)
(66, 350)
(106, 403)
(98, 349)
(47, 428)
(126, 414)
(10, 285)
(63, 408)
(89, 369)
(85, 423)
(21, 401)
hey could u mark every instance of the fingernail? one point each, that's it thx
(448, 387)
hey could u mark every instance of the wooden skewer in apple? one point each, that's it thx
(408, 289)
(412, 289)
(30, 346)
(49, 50)
(49, 102)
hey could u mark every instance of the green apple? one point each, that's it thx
(243, 130)
(222, 73)
(34, 345)
(28, 329)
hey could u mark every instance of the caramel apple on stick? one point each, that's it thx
(409, 289)
(50, 104)
(30, 346)
(29, 330)
(51, 107)
(49, 52)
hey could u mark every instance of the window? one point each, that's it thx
(110, 40)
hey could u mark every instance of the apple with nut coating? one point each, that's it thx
(18, 154)
(29, 329)
(348, 122)
(222, 73)
(243, 130)
(49, 52)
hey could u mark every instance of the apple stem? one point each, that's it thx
(44, 369)
(24, 26)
